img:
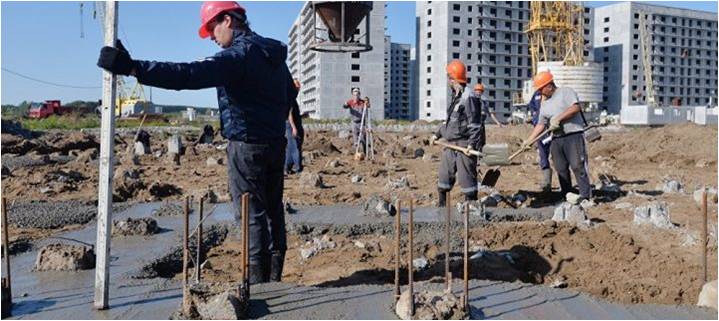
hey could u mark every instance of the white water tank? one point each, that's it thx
(587, 79)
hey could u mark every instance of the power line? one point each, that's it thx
(48, 82)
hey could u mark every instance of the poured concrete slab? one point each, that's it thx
(69, 295)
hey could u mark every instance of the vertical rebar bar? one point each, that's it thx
(246, 241)
(704, 236)
(410, 264)
(397, 231)
(6, 248)
(186, 257)
(198, 272)
(465, 299)
(447, 275)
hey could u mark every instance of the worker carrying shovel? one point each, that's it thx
(254, 93)
(358, 107)
(560, 112)
(463, 127)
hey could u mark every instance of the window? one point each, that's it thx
(469, 56)
(606, 19)
(429, 105)
(508, 24)
(429, 81)
(429, 93)
(355, 55)
(469, 32)
(429, 35)
(455, 55)
(355, 67)
(455, 7)
(429, 69)
(606, 29)
(469, 8)
(606, 39)
(455, 19)
(455, 43)
(429, 46)
(429, 57)
(469, 20)
(355, 78)
(455, 31)
(429, 23)
(429, 11)
(469, 44)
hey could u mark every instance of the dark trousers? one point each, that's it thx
(257, 169)
(456, 166)
(543, 150)
(570, 152)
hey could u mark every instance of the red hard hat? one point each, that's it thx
(479, 87)
(211, 9)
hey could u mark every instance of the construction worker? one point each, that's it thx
(535, 104)
(479, 93)
(357, 106)
(561, 113)
(295, 137)
(254, 91)
(463, 127)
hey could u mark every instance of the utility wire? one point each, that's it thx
(48, 82)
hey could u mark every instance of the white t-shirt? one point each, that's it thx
(561, 100)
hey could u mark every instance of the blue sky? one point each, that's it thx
(42, 40)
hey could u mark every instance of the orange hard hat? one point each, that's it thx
(479, 87)
(457, 71)
(211, 9)
(542, 79)
(297, 83)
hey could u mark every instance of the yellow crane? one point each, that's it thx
(555, 32)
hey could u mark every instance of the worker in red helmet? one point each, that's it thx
(563, 116)
(463, 127)
(254, 93)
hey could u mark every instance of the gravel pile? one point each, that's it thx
(51, 215)
(170, 209)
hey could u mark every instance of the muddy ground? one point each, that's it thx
(614, 259)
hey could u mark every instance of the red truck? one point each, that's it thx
(45, 109)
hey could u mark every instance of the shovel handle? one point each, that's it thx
(522, 150)
(457, 148)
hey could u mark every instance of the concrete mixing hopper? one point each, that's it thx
(340, 30)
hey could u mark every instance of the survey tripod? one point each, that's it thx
(365, 132)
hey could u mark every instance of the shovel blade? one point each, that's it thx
(491, 177)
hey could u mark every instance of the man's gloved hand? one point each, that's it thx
(526, 144)
(433, 139)
(554, 123)
(116, 59)
(468, 150)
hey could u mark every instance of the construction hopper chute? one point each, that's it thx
(341, 21)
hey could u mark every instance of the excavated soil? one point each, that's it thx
(614, 259)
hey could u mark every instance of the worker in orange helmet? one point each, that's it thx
(563, 116)
(462, 127)
(254, 94)
(484, 102)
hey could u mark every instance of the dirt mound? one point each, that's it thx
(64, 257)
(169, 209)
(322, 145)
(14, 128)
(430, 305)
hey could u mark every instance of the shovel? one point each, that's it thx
(492, 176)
(457, 148)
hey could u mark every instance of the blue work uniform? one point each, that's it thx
(254, 93)
(542, 149)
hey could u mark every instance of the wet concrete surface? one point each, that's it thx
(69, 295)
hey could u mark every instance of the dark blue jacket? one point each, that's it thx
(534, 105)
(254, 85)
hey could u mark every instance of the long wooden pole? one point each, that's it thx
(704, 236)
(410, 264)
(6, 248)
(186, 257)
(447, 273)
(198, 273)
(397, 231)
(107, 139)
(465, 300)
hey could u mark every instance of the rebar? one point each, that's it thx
(245, 244)
(397, 231)
(465, 299)
(447, 273)
(704, 236)
(185, 258)
(410, 265)
(6, 249)
(198, 272)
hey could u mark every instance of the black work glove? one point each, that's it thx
(116, 59)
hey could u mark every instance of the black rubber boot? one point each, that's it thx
(276, 265)
(257, 274)
(547, 180)
(266, 268)
(470, 196)
(442, 198)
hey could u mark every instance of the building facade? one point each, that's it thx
(683, 56)
(327, 79)
(398, 81)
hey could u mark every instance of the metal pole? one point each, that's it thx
(447, 275)
(397, 231)
(465, 300)
(410, 264)
(198, 271)
(107, 139)
(186, 257)
(246, 238)
(6, 249)
(704, 236)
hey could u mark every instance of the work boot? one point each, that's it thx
(266, 268)
(276, 264)
(470, 196)
(547, 180)
(257, 274)
(442, 198)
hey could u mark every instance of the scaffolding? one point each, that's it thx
(555, 32)
(645, 42)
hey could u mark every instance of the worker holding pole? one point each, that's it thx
(561, 114)
(535, 104)
(358, 107)
(463, 127)
(254, 90)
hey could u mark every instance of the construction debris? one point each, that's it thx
(708, 295)
(378, 206)
(64, 257)
(215, 301)
(711, 195)
(311, 180)
(131, 226)
(420, 263)
(430, 305)
(655, 213)
(567, 212)
(670, 186)
(316, 246)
